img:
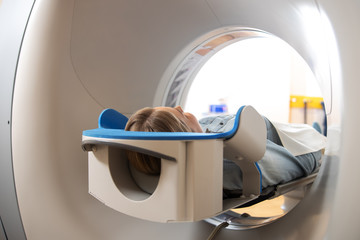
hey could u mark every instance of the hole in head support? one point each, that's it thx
(146, 182)
(131, 183)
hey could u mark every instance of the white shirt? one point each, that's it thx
(299, 138)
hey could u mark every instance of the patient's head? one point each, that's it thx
(159, 119)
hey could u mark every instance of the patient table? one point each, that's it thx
(189, 187)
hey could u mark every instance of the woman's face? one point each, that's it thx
(189, 119)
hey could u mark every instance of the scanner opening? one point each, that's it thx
(298, 98)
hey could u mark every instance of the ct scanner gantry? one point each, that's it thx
(63, 62)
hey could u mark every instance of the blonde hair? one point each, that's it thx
(152, 120)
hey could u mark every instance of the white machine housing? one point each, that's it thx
(63, 62)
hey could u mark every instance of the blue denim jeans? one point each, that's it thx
(277, 165)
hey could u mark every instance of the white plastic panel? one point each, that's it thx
(189, 186)
(346, 19)
(125, 36)
(13, 19)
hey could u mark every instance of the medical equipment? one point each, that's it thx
(189, 187)
(63, 62)
(190, 184)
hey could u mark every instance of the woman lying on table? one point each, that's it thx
(292, 150)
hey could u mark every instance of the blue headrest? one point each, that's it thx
(112, 124)
(112, 119)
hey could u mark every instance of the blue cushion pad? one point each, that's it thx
(122, 134)
(112, 123)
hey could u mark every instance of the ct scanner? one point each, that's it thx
(63, 62)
